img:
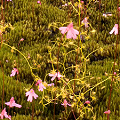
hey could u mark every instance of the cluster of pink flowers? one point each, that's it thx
(4, 114)
(11, 103)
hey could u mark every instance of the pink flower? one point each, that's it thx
(54, 75)
(22, 39)
(84, 21)
(39, 2)
(119, 9)
(115, 29)
(12, 103)
(14, 71)
(41, 86)
(115, 73)
(82, 2)
(51, 84)
(30, 95)
(4, 113)
(107, 112)
(71, 33)
(87, 102)
(65, 5)
(65, 103)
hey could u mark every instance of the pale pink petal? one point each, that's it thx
(9, 116)
(63, 30)
(59, 75)
(53, 77)
(16, 105)
(111, 32)
(35, 96)
(75, 31)
(7, 103)
(41, 86)
(30, 98)
(51, 84)
(69, 104)
(69, 34)
(27, 93)
(115, 29)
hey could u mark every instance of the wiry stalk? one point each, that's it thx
(32, 109)
(3, 85)
(111, 87)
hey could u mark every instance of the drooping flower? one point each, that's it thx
(4, 114)
(87, 102)
(30, 95)
(115, 29)
(14, 71)
(65, 103)
(71, 33)
(85, 22)
(54, 75)
(39, 2)
(41, 86)
(107, 112)
(12, 103)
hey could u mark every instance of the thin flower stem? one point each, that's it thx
(32, 109)
(1, 40)
(111, 87)
(99, 15)
(18, 77)
(3, 86)
(2, 10)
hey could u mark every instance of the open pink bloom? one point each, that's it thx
(30, 95)
(65, 103)
(71, 33)
(12, 103)
(107, 112)
(87, 102)
(115, 29)
(4, 113)
(84, 21)
(39, 2)
(14, 71)
(41, 86)
(58, 75)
